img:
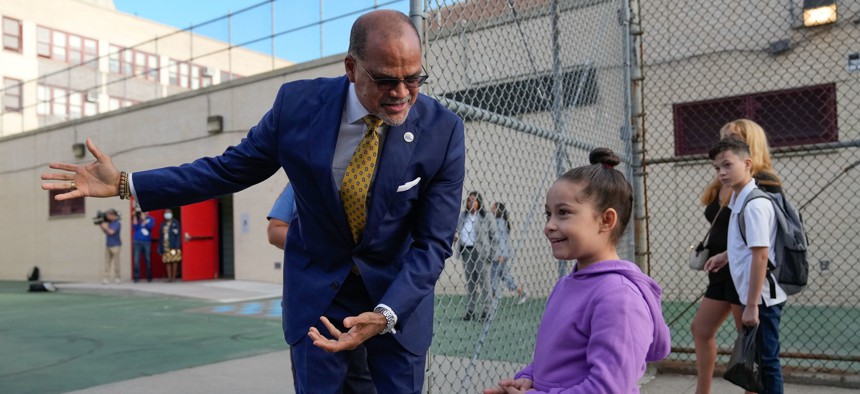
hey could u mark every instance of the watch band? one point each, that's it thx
(389, 317)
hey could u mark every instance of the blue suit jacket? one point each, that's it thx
(408, 234)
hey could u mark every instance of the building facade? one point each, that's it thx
(68, 59)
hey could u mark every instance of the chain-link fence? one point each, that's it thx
(542, 82)
(539, 83)
(707, 63)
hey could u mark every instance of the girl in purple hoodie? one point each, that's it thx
(603, 321)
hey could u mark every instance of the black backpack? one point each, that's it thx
(791, 268)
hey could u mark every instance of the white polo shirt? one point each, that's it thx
(760, 231)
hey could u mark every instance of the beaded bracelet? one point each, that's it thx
(124, 190)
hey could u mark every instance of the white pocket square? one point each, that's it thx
(408, 185)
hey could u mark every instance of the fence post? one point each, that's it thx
(416, 13)
(635, 116)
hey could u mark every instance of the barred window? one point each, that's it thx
(579, 87)
(799, 116)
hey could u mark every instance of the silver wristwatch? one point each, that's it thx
(389, 318)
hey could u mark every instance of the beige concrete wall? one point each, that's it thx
(697, 51)
(168, 131)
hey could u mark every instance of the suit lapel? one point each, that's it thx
(322, 140)
(396, 155)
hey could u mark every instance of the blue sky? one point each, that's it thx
(298, 46)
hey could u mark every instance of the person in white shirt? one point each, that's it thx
(748, 255)
(476, 235)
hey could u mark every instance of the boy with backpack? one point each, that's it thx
(750, 253)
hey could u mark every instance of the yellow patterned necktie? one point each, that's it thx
(356, 179)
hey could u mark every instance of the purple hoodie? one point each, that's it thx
(600, 326)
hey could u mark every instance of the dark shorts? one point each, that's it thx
(723, 291)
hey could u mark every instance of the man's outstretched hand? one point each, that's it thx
(97, 179)
(360, 327)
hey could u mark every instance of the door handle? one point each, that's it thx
(189, 237)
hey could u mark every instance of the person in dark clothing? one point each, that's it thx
(721, 297)
(170, 245)
(142, 224)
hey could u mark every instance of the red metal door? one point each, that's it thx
(200, 240)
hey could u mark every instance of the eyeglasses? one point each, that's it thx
(386, 84)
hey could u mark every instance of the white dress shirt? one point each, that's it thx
(761, 224)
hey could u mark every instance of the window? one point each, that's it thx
(129, 61)
(11, 34)
(68, 48)
(114, 54)
(187, 75)
(512, 98)
(12, 94)
(60, 102)
(43, 42)
(73, 206)
(91, 53)
(799, 116)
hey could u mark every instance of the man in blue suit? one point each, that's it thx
(342, 287)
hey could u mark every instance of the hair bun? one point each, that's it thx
(603, 156)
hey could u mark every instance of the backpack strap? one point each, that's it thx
(754, 194)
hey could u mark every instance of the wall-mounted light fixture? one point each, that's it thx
(818, 12)
(79, 150)
(214, 124)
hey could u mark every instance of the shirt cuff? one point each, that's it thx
(131, 187)
(388, 308)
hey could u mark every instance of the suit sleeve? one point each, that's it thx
(432, 232)
(250, 162)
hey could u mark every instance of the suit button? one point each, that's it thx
(333, 285)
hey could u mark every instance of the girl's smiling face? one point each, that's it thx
(573, 227)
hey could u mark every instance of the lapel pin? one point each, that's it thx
(408, 137)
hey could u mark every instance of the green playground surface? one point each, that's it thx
(812, 338)
(59, 342)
